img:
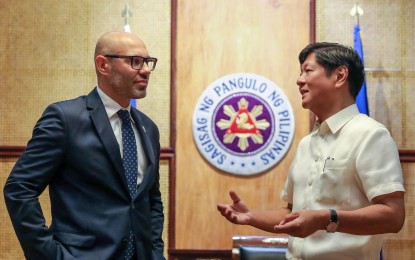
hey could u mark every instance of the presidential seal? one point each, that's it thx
(243, 124)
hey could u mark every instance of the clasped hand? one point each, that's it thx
(299, 224)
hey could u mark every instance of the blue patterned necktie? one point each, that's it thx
(130, 166)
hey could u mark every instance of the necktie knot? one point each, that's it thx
(124, 115)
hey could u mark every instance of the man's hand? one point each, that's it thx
(238, 212)
(303, 223)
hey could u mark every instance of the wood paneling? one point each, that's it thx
(216, 38)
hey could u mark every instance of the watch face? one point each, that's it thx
(332, 227)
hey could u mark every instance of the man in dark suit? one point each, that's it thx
(78, 149)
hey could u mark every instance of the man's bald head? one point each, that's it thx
(114, 66)
(111, 42)
(118, 43)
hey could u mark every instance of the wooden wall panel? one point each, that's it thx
(216, 38)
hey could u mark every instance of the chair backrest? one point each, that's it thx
(259, 247)
(261, 253)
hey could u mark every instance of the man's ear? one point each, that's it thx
(102, 65)
(342, 74)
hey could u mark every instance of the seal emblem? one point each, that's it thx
(243, 124)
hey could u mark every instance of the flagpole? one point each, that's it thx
(357, 15)
(356, 11)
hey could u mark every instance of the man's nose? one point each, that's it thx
(300, 80)
(145, 69)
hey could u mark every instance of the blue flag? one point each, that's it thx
(361, 99)
(133, 103)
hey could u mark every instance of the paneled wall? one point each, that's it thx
(216, 38)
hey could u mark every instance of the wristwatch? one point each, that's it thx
(334, 222)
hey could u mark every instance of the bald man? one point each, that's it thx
(104, 191)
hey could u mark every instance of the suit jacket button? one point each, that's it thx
(125, 242)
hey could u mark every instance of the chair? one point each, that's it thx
(259, 247)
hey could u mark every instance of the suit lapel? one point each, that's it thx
(106, 134)
(148, 149)
(145, 138)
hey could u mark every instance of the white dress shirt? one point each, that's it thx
(112, 107)
(343, 164)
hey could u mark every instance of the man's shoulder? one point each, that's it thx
(78, 103)
(364, 123)
(362, 129)
(72, 101)
(74, 104)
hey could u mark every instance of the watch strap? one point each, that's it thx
(333, 216)
(333, 223)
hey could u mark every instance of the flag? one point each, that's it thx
(133, 103)
(361, 99)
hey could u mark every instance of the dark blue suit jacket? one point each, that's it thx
(73, 150)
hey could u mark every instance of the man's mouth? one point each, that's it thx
(303, 91)
(141, 82)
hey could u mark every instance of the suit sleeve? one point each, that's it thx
(30, 176)
(157, 216)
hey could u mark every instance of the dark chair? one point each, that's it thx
(261, 253)
(259, 247)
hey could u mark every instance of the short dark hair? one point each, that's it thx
(332, 55)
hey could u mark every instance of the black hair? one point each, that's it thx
(332, 55)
